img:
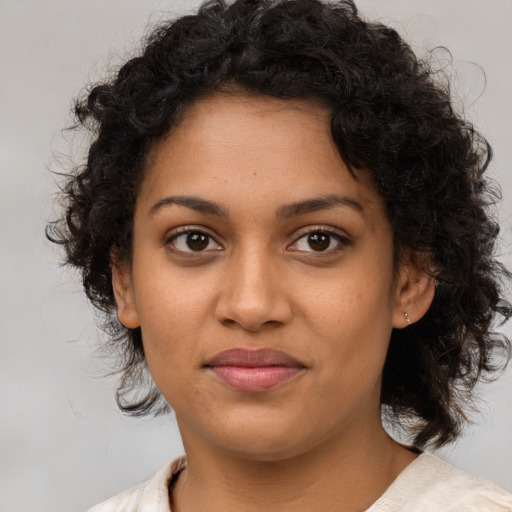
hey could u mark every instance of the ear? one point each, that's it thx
(124, 295)
(414, 294)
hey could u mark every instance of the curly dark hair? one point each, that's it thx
(390, 114)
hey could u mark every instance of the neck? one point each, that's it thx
(348, 475)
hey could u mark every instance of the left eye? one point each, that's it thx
(194, 241)
(318, 241)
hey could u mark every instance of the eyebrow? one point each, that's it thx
(194, 203)
(284, 212)
(317, 204)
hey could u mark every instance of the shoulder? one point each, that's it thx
(431, 485)
(150, 496)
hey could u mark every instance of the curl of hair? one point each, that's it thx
(389, 115)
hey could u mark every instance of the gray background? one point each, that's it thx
(63, 445)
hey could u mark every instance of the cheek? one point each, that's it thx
(174, 310)
(351, 348)
(167, 296)
(352, 317)
(352, 299)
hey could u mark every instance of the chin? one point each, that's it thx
(267, 445)
(265, 453)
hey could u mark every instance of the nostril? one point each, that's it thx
(249, 323)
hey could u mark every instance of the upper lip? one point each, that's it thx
(254, 358)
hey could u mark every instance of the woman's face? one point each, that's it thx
(262, 279)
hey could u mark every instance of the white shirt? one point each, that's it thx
(428, 484)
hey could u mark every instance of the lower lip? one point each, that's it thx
(256, 379)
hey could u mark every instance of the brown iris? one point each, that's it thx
(197, 241)
(319, 241)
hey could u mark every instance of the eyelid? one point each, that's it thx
(183, 230)
(342, 237)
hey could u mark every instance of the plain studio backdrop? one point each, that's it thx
(63, 444)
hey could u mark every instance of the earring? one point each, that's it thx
(407, 317)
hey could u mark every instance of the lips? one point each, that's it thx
(254, 370)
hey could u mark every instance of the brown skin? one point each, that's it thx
(316, 442)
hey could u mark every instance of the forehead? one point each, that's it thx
(246, 143)
(215, 123)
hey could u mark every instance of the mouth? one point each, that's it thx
(254, 370)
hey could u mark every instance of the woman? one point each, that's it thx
(285, 225)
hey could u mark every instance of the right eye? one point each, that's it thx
(194, 241)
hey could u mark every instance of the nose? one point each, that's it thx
(253, 296)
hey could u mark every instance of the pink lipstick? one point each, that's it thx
(254, 370)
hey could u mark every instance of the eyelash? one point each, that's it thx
(342, 241)
(185, 231)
